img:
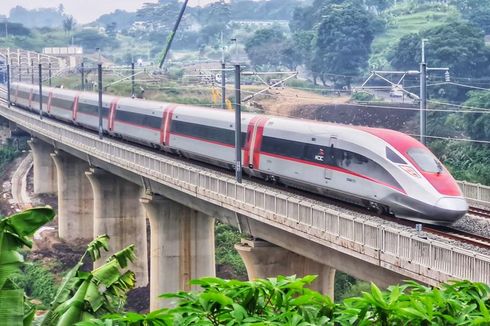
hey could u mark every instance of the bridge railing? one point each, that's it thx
(475, 193)
(408, 253)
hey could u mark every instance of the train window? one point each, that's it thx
(225, 136)
(283, 147)
(60, 103)
(23, 94)
(152, 122)
(425, 160)
(88, 109)
(394, 157)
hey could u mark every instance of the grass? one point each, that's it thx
(404, 19)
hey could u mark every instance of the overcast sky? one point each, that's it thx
(84, 11)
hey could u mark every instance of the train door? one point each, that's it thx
(111, 115)
(166, 125)
(332, 143)
(255, 131)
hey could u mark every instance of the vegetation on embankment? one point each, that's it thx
(7, 155)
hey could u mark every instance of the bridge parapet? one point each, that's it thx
(476, 193)
(403, 252)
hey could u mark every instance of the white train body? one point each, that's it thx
(373, 167)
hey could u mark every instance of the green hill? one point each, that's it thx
(407, 18)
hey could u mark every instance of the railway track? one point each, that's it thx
(480, 212)
(458, 235)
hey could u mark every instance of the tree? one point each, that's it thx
(477, 125)
(481, 18)
(111, 29)
(92, 39)
(343, 42)
(68, 24)
(458, 45)
(265, 47)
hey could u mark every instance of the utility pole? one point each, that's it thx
(223, 76)
(40, 67)
(423, 102)
(82, 68)
(49, 74)
(99, 70)
(8, 85)
(423, 96)
(238, 127)
(32, 71)
(132, 80)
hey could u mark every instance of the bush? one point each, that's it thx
(362, 97)
(286, 301)
(226, 238)
(38, 282)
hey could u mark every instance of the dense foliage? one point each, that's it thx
(457, 45)
(286, 301)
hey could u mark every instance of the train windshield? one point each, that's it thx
(425, 160)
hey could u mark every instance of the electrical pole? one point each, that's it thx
(238, 127)
(423, 102)
(423, 96)
(40, 91)
(132, 79)
(32, 71)
(8, 85)
(82, 68)
(49, 74)
(99, 70)
(223, 77)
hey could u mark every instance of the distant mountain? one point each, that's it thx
(42, 17)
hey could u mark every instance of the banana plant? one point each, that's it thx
(87, 295)
(16, 232)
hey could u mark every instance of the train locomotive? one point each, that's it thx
(381, 169)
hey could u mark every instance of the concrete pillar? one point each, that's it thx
(182, 247)
(263, 259)
(75, 198)
(119, 214)
(44, 168)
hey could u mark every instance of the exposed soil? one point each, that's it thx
(309, 105)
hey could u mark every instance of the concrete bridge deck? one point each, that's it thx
(364, 249)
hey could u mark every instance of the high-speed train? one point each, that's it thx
(381, 169)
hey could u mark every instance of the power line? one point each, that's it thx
(455, 139)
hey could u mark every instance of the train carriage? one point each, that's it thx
(377, 168)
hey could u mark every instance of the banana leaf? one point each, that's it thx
(86, 295)
(15, 233)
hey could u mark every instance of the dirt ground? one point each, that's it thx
(309, 105)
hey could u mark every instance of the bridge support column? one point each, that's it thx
(263, 259)
(119, 214)
(182, 247)
(75, 198)
(44, 168)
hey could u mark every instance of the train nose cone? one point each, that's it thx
(453, 208)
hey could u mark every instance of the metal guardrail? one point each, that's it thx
(403, 252)
(475, 193)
